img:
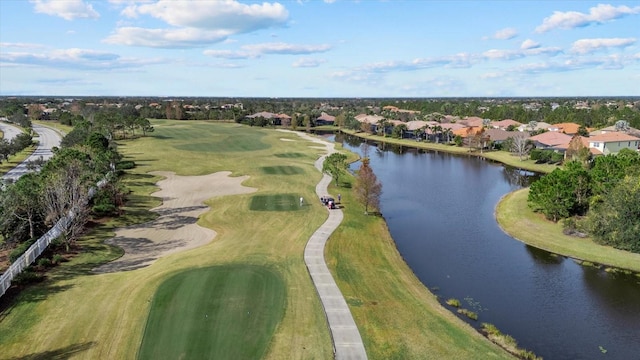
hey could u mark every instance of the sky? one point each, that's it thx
(315, 48)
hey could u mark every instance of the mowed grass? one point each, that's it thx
(276, 202)
(207, 313)
(80, 314)
(518, 220)
(103, 316)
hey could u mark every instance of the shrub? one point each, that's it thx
(28, 276)
(104, 209)
(468, 313)
(44, 262)
(57, 259)
(20, 249)
(125, 165)
(453, 302)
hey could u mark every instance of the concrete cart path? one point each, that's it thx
(346, 338)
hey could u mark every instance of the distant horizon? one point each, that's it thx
(323, 97)
(320, 49)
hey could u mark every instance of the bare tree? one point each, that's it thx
(367, 187)
(66, 196)
(520, 145)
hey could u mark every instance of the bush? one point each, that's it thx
(468, 313)
(453, 302)
(28, 276)
(104, 209)
(20, 249)
(44, 262)
(57, 259)
(125, 165)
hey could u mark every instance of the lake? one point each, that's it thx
(439, 208)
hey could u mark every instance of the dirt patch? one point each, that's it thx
(175, 229)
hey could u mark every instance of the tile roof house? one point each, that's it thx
(613, 142)
(325, 119)
(472, 121)
(504, 124)
(567, 128)
(550, 139)
(498, 135)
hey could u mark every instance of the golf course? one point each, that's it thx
(207, 262)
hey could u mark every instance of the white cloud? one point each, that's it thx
(74, 58)
(308, 62)
(197, 23)
(257, 50)
(166, 38)
(68, 9)
(229, 54)
(529, 44)
(505, 34)
(597, 15)
(284, 48)
(584, 46)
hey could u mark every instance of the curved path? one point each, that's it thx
(347, 342)
(47, 139)
(9, 131)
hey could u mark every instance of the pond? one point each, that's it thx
(439, 208)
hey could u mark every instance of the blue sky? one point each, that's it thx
(331, 48)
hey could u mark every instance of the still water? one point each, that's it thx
(439, 209)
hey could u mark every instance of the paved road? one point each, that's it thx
(347, 342)
(47, 139)
(9, 131)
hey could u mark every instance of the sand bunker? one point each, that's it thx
(283, 139)
(175, 229)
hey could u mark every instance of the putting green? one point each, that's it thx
(282, 170)
(276, 202)
(220, 312)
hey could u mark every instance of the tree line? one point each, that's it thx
(600, 197)
(62, 186)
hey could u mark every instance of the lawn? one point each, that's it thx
(519, 221)
(78, 313)
(205, 313)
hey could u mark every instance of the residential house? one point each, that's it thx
(613, 142)
(325, 119)
(567, 128)
(498, 136)
(550, 139)
(504, 124)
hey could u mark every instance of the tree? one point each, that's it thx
(335, 165)
(616, 221)
(520, 145)
(22, 201)
(562, 193)
(367, 187)
(66, 195)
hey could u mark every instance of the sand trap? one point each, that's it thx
(175, 229)
(283, 139)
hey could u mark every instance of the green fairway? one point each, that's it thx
(291, 155)
(276, 202)
(220, 312)
(231, 141)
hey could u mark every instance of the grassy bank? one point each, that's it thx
(15, 160)
(517, 220)
(498, 156)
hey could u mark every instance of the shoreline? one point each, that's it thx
(498, 156)
(531, 229)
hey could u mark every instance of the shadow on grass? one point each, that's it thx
(58, 354)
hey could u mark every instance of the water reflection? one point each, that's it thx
(543, 256)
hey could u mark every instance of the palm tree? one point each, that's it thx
(437, 129)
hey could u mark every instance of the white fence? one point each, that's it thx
(39, 246)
